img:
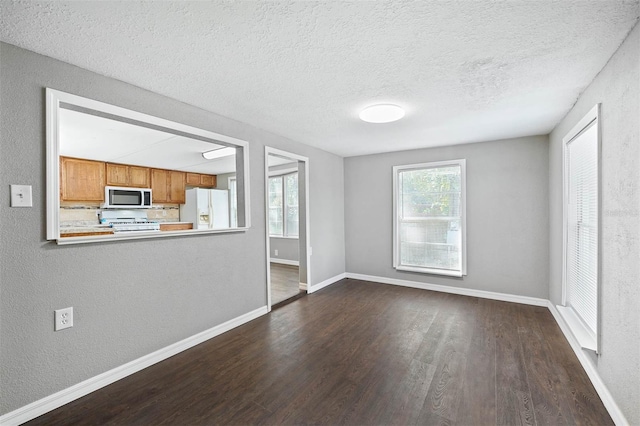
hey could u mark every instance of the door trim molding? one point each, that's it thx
(305, 251)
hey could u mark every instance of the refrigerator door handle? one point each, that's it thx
(210, 210)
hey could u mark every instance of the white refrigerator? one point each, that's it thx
(206, 208)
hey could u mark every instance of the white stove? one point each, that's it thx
(128, 220)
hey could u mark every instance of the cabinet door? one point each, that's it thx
(81, 180)
(193, 179)
(160, 185)
(117, 174)
(208, 180)
(177, 186)
(138, 176)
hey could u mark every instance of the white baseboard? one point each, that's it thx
(51, 402)
(606, 397)
(326, 282)
(58, 399)
(455, 290)
(284, 261)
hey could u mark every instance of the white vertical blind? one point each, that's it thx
(582, 226)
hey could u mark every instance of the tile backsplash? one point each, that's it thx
(164, 214)
(73, 216)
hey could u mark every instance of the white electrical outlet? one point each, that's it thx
(64, 318)
(276, 252)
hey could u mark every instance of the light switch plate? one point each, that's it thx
(21, 196)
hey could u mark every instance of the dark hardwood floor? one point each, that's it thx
(285, 282)
(360, 353)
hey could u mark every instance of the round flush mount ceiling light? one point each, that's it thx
(381, 113)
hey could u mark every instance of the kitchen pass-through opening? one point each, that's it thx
(287, 235)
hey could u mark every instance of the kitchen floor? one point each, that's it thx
(285, 282)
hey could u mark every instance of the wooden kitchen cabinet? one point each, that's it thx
(177, 187)
(117, 174)
(208, 180)
(139, 177)
(193, 179)
(168, 186)
(125, 175)
(200, 180)
(81, 180)
(159, 185)
(176, 226)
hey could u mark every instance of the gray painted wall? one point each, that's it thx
(222, 181)
(122, 313)
(507, 215)
(288, 248)
(617, 88)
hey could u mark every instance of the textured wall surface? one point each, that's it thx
(466, 71)
(507, 215)
(617, 88)
(288, 248)
(222, 181)
(134, 297)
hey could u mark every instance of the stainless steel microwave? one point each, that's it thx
(116, 197)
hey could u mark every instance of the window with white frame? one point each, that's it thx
(430, 224)
(283, 205)
(581, 205)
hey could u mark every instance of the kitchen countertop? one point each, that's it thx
(78, 231)
(81, 231)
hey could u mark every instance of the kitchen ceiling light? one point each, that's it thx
(218, 153)
(381, 113)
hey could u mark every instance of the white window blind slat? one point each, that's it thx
(582, 227)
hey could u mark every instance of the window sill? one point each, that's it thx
(431, 271)
(280, 236)
(583, 335)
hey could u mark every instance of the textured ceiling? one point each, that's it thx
(466, 71)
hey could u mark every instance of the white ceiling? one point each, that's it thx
(466, 71)
(98, 138)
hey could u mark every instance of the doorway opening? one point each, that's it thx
(287, 230)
